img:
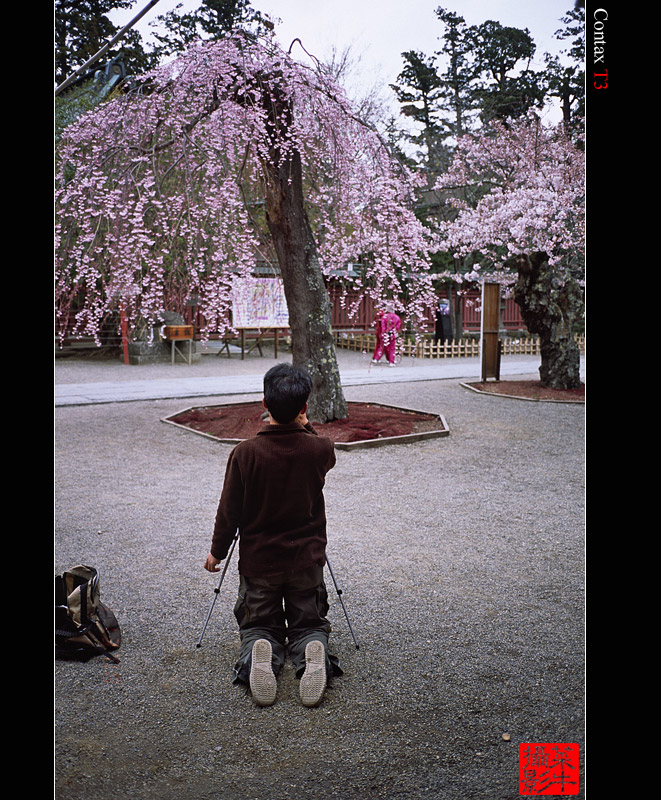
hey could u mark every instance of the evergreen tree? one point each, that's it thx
(480, 70)
(567, 81)
(213, 19)
(498, 51)
(457, 93)
(418, 92)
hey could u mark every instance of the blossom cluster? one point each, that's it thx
(518, 188)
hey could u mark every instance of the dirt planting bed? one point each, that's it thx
(366, 422)
(530, 390)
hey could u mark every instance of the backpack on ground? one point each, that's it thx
(84, 626)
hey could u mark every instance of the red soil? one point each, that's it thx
(365, 421)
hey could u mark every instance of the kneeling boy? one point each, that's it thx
(273, 496)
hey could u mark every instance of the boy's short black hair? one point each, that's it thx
(286, 391)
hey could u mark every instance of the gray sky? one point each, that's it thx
(379, 31)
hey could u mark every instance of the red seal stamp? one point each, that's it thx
(548, 769)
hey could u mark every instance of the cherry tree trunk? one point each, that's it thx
(307, 298)
(552, 309)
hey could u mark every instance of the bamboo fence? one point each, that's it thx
(460, 348)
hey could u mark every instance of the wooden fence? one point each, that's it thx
(460, 348)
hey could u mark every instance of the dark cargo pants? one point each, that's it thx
(289, 610)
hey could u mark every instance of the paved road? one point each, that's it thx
(157, 388)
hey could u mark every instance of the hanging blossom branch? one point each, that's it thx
(155, 188)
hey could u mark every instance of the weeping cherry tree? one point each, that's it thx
(231, 153)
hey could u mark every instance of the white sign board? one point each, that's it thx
(259, 303)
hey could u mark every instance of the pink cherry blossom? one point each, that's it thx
(160, 192)
(518, 188)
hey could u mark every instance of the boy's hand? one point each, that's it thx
(211, 564)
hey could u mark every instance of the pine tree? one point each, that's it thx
(213, 19)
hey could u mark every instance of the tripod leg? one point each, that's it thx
(217, 590)
(339, 594)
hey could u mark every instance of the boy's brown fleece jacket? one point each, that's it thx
(273, 495)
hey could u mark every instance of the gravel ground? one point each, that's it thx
(461, 562)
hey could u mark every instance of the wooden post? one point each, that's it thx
(125, 335)
(489, 325)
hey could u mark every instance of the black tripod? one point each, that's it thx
(217, 589)
(339, 595)
(222, 578)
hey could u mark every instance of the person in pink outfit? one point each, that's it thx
(387, 324)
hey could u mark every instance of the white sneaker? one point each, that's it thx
(313, 681)
(262, 680)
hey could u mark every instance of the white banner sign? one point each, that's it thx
(259, 303)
